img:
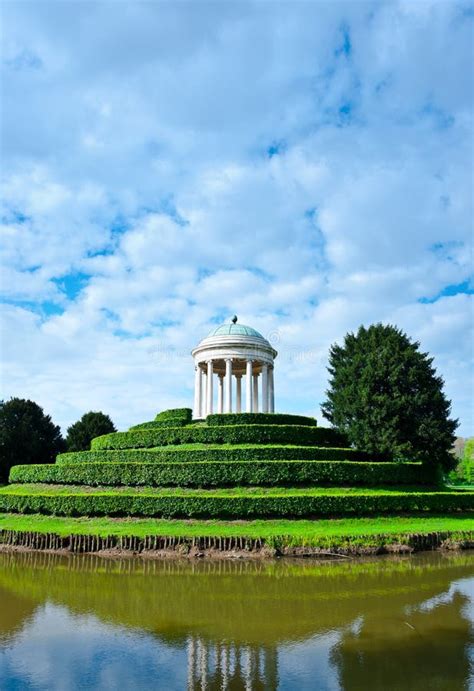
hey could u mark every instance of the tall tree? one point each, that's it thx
(384, 394)
(91, 425)
(27, 435)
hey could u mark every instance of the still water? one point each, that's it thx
(84, 622)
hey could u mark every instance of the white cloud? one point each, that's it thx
(309, 168)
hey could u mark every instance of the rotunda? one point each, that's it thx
(228, 354)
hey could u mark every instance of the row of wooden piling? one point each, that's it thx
(87, 544)
(426, 541)
(95, 543)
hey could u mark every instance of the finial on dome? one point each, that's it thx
(234, 319)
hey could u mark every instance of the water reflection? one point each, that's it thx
(85, 622)
(436, 641)
(228, 666)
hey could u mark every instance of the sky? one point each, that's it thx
(307, 166)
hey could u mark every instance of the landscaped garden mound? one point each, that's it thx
(228, 466)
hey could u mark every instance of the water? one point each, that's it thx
(82, 622)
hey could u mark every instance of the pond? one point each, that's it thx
(85, 622)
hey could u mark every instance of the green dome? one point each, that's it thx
(234, 330)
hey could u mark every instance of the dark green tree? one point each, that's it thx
(27, 435)
(91, 425)
(384, 394)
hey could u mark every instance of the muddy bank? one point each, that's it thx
(159, 547)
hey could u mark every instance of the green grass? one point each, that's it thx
(460, 488)
(66, 490)
(302, 530)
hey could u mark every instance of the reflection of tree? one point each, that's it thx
(230, 667)
(395, 651)
(234, 616)
(263, 603)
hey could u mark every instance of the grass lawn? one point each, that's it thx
(297, 531)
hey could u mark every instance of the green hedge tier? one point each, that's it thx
(225, 434)
(260, 419)
(158, 424)
(217, 452)
(77, 501)
(183, 415)
(178, 417)
(174, 420)
(218, 474)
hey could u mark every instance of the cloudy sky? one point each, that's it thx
(305, 165)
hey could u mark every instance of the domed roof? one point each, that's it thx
(234, 330)
(234, 337)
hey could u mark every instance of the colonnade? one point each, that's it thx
(258, 383)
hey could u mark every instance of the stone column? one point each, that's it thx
(228, 385)
(204, 394)
(197, 391)
(220, 398)
(264, 388)
(271, 392)
(210, 392)
(255, 393)
(238, 386)
(248, 387)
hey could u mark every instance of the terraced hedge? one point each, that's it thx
(225, 434)
(177, 417)
(212, 474)
(253, 465)
(157, 424)
(259, 419)
(200, 504)
(219, 453)
(182, 414)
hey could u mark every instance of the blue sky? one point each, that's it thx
(307, 166)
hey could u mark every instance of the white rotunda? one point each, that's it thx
(229, 353)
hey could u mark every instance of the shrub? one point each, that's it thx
(259, 419)
(222, 453)
(200, 505)
(225, 434)
(157, 424)
(184, 415)
(216, 474)
(176, 417)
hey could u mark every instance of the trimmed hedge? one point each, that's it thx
(222, 454)
(232, 507)
(259, 419)
(219, 474)
(177, 417)
(157, 424)
(184, 415)
(225, 434)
